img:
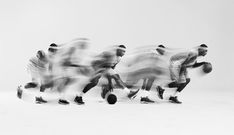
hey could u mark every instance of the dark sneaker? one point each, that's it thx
(19, 92)
(79, 100)
(146, 100)
(160, 91)
(174, 100)
(132, 94)
(40, 100)
(30, 85)
(63, 102)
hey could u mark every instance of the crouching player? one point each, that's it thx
(104, 66)
(178, 69)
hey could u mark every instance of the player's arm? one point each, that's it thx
(198, 64)
(190, 58)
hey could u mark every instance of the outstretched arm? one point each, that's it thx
(197, 64)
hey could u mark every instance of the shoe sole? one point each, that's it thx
(79, 103)
(41, 102)
(145, 102)
(175, 102)
(63, 103)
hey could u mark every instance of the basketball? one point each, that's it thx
(207, 68)
(111, 99)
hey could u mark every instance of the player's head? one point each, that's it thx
(53, 48)
(82, 43)
(41, 55)
(202, 50)
(161, 49)
(120, 50)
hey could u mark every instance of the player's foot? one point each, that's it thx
(104, 91)
(79, 100)
(174, 100)
(19, 92)
(132, 94)
(160, 91)
(146, 100)
(30, 85)
(63, 102)
(40, 100)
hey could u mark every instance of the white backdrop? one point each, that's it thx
(29, 25)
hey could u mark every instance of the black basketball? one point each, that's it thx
(111, 99)
(207, 68)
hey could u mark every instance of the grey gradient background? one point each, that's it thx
(29, 25)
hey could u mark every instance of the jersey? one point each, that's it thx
(180, 60)
(185, 58)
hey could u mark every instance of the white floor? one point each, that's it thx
(207, 112)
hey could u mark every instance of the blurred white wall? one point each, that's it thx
(29, 25)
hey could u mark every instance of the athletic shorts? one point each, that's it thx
(175, 69)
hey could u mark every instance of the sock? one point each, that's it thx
(81, 94)
(176, 93)
(126, 89)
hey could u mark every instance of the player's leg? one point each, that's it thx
(143, 87)
(61, 85)
(43, 85)
(183, 80)
(107, 88)
(160, 91)
(145, 98)
(93, 82)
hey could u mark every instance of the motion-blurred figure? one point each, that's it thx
(104, 66)
(148, 67)
(39, 69)
(67, 65)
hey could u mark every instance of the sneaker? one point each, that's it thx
(146, 100)
(132, 94)
(174, 100)
(40, 100)
(31, 85)
(79, 100)
(63, 102)
(160, 91)
(19, 92)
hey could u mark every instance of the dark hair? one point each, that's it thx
(161, 46)
(122, 46)
(53, 45)
(52, 50)
(204, 45)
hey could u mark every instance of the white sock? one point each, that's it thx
(81, 94)
(176, 93)
(39, 94)
(62, 96)
(126, 89)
